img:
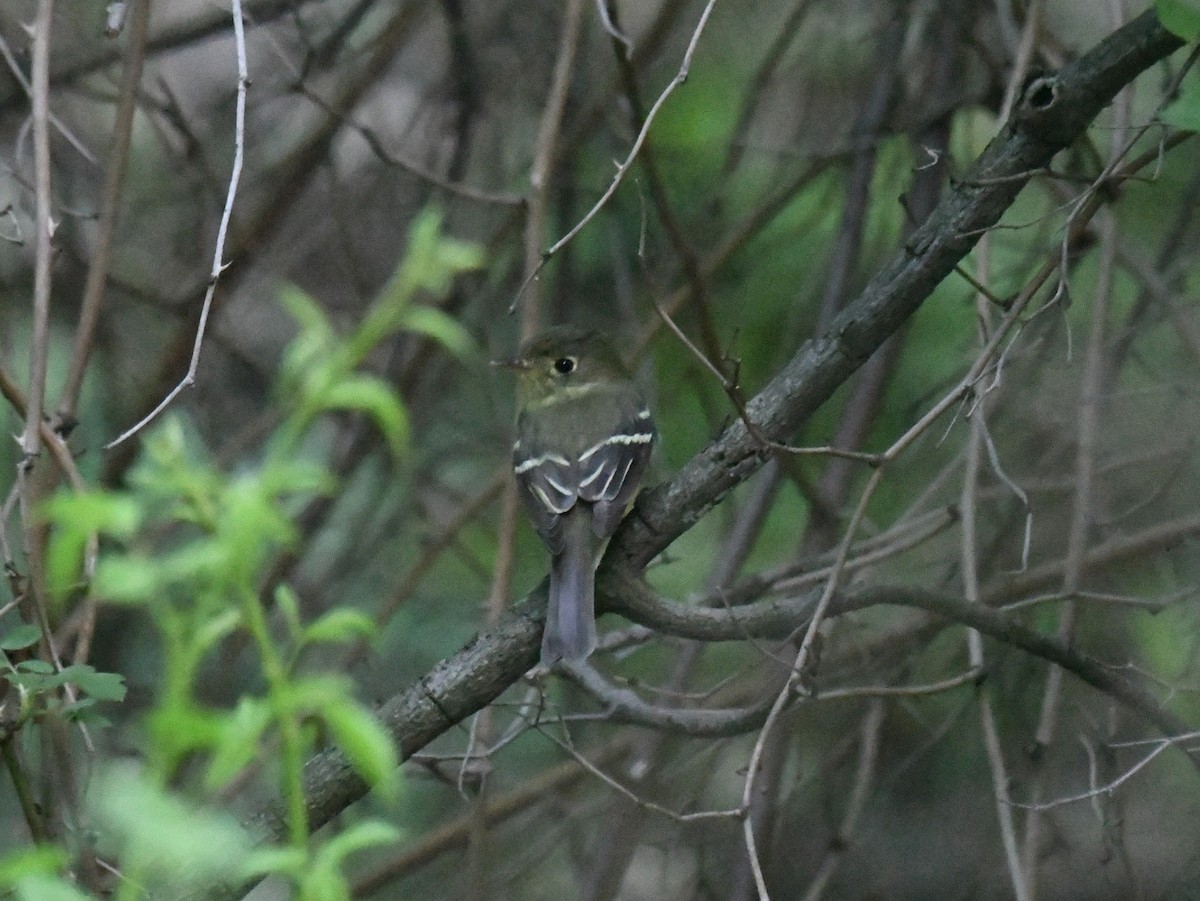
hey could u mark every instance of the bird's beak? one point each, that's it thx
(516, 363)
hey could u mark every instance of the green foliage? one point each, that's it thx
(319, 373)
(166, 844)
(22, 636)
(1184, 111)
(188, 544)
(40, 684)
(322, 879)
(1181, 17)
(32, 875)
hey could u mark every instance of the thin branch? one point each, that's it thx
(453, 836)
(969, 508)
(13, 66)
(864, 778)
(475, 676)
(799, 670)
(624, 593)
(624, 167)
(114, 178)
(611, 27)
(1082, 508)
(759, 83)
(409, 165)
(43, 233)
(545, 153)
(620, 789)
(1108, 788)
(733, 392)
(901, 691)
(239, 146)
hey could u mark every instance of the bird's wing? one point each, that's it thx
(608, 472)
(547, 483)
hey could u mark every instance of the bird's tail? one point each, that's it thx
(571, 615)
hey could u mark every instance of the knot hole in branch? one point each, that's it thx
(1040, 93)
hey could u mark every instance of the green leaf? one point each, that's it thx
(339, 624)
(39, 675)
(23, 636)
(168, 842)
(433, 259)
(94, 511)
(101, 686)
(131, 579)
(1180, 17)
(42, 859)
(430, 262)
(364, 741)
(48, 888)
(441, 327)
(78, 516)
(313, 342)
(1184, 111)
(324, 884)
(287, 602)
(283, 860)
(36, 667)
(216, 627)
(374, 397)
(324, 880)
(178, 728)
(83, 710)
(290, 478)
(367, 834)
(239, 741)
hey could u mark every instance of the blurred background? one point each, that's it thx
(806, 144)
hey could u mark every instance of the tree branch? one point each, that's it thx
(1053, 112)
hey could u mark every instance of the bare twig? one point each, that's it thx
(239, 146)
(620, 789)
(1160, 745)
(611, 27)
(734, 392)
(452, 836)
(11, 61)
(757, 88)
(114, 178)
(968, 505)
(624, 167)
(1082, 510)
(864, 778)
(545, 152)
(401, 161)
(43, 232)
(798, 671)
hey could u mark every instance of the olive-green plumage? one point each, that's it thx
(584, 436)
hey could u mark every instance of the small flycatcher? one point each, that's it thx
(584, 436)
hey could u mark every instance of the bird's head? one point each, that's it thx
(564, 360)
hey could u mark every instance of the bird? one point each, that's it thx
(584, 437)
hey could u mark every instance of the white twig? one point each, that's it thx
(218, 266)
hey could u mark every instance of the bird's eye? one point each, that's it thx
(564, 365)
